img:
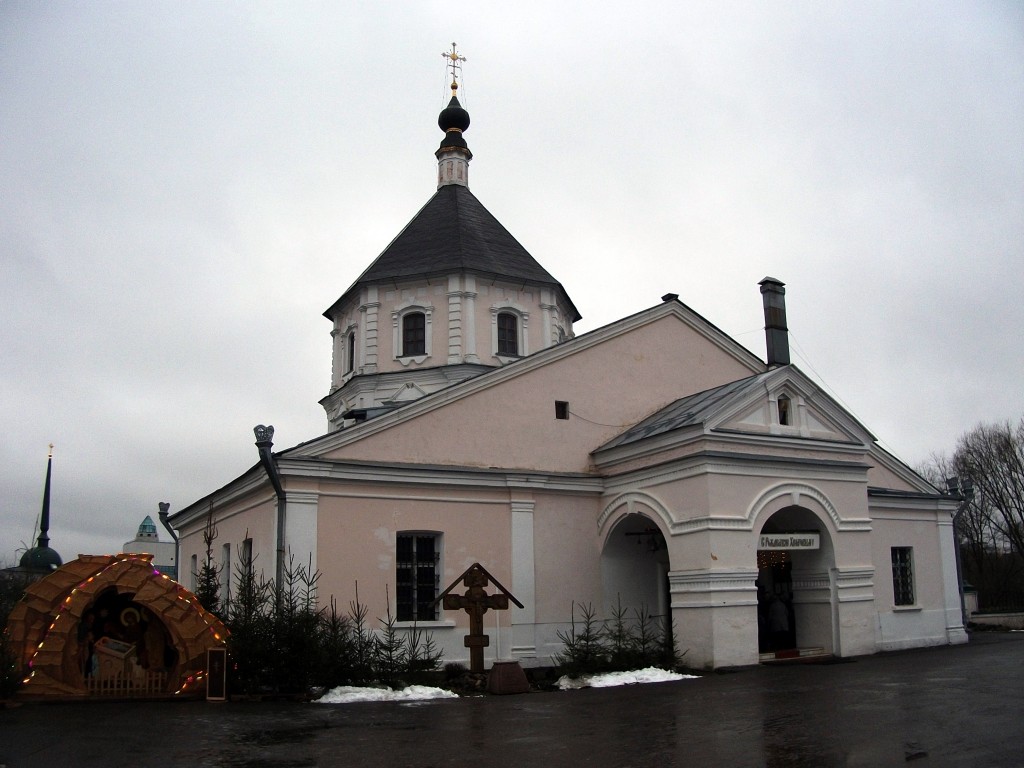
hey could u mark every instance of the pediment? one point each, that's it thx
(787, 404)
(406, 394)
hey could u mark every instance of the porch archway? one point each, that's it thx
(796, 561)
(634, 567)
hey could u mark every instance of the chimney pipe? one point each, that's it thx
(773, 293)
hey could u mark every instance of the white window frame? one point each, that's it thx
(794, 412)
(522, 324)
(350, 351)
(397, 316)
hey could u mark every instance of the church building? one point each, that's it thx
(651, 463)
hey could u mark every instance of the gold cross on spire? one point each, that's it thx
(455, 64)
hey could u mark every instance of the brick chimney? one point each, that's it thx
(773, 293)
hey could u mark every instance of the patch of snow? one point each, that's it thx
(649, 675)
(347, 694)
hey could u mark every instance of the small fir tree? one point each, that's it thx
(208, 577)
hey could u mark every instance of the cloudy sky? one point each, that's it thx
(187, 186)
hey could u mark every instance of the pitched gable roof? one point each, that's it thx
(453, 232)
(728, 408)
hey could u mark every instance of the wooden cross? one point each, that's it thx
(476, 602)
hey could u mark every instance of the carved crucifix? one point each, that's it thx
(476, 602)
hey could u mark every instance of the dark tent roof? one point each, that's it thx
(454, 232)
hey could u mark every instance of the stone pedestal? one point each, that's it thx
(507, 677)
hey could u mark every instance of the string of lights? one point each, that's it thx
(81, 596)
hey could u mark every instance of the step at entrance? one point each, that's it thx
(791, 654)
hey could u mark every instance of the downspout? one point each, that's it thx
(264, 442)
(165, 509)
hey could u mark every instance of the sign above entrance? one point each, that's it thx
(789, 541)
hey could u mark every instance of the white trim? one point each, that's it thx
(397, 316)
(522, 316)
(524, 587)
(370, 312)
(795, 493)
(627, 502)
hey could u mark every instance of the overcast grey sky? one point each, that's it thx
(187, 186)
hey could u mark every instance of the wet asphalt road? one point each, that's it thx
(960, 706)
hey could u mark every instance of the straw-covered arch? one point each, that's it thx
(47, 630)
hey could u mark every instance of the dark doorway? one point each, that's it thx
(776, 619)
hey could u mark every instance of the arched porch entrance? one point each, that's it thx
(795, 606)
(634, 568)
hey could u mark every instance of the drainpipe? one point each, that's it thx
(264, 442)
(165, 509)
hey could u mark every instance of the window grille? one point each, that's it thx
(416, 576)
(903, 575)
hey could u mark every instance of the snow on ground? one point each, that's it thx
(346, 694)
(649, 675)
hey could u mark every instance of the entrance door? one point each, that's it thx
(776, 614)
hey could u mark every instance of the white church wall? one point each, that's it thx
(933, 616)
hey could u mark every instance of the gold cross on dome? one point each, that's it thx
(454, 63)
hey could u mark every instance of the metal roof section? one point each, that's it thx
(688, 411)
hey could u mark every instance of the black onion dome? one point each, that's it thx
(40, 559)
(453, 117)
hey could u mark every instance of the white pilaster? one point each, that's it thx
(955, 631)
(457, 320)
(369, 311)
(524, 641)
(469, 338)
(337, 356)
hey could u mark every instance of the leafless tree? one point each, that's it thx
(992, 457)
(989, 523)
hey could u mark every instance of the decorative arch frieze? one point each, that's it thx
(797, 495)
(630, 503)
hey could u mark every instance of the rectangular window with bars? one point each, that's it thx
(417, 574)
(903, 575)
